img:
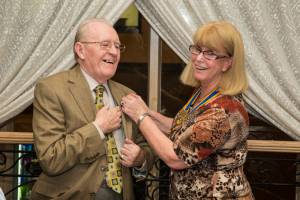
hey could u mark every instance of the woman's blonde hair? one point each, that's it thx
(221, 36)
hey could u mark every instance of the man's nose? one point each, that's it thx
(114, 50)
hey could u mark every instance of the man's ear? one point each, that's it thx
(79, 50)
(227, 65)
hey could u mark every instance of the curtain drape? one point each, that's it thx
(36, 39)
(271, 33)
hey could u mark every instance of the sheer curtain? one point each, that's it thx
(36, 39)
(271, 33)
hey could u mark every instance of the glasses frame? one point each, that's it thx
(195, 50)
(107, 45)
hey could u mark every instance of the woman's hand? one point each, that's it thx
(134, 106)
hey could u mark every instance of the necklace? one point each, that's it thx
(204, 101)
(190, 107)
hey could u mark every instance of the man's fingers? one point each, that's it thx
(128, 141)
(124, 151)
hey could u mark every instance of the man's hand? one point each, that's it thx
(131, 154)
(108, 119)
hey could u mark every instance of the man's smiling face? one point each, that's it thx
(100, 60)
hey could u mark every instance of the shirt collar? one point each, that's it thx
(92, 82)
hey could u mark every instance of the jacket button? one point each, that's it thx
(103, 169)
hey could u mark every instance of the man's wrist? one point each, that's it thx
(99, 130)
(141, 158)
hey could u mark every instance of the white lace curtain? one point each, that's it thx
(271, 33)
(36, 39)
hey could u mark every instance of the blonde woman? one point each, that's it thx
(205, 144)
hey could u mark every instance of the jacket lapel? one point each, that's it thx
(81, 93)
(117, 94)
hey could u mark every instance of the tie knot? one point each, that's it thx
(99, 90)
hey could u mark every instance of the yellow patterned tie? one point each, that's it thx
(114, 172)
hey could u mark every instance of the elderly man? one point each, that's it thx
(85, 145)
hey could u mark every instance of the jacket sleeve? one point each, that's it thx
(57, 149)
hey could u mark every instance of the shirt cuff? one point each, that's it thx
(102, 136)
(140, 172)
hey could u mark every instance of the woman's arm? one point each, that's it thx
(162, 122)
(135, 107)
(161, 144)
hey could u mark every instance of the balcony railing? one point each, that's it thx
(272, 146)
(253, 145)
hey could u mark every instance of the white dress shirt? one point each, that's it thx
(108, 101)
(2, 197)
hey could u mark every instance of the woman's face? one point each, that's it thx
(209, 65)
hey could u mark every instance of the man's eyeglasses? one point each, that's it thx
(105, 45)
(208, 54)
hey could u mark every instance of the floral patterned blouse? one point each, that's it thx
(212, 142)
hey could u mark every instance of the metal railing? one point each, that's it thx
(32, 168)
